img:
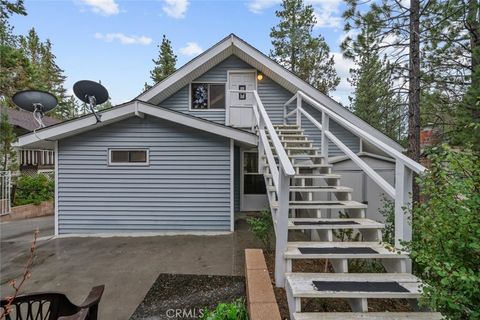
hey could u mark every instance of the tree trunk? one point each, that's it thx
(473, 23)
(414, 89)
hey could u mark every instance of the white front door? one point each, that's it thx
(240, 104)
(253, 192)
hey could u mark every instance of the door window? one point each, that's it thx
(253, 182)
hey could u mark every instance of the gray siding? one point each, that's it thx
(185, 187)
(273, 97)
(236, 179)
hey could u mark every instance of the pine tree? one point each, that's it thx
(165, 64)
(8, 154)
(374, 100)
(295, 47)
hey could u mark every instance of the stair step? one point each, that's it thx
(312, 165)
(367, 316)
(316, 176)
(302, 285)
(311, 176)
(325, 189)
(332, 224)
(289, 130)
(301, 148)
(312, 204)
(301, 156)
(285, 126)
(341, 250)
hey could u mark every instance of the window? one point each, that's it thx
(131, 157)
(206, 96)
(253, 182)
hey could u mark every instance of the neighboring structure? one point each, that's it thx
(217, 137)
(32, 160)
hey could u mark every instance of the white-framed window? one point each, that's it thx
(207, 96)
(129, 157)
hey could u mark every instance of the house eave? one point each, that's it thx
(49, 135)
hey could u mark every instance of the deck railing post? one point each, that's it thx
(325, 127)
(403, 189)
(299, 112)
(282, 227)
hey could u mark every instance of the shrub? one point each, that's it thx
(446, 230)
(227, 311)
(34, 189)
(262, 228)
(388, 212)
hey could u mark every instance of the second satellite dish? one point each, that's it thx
(37, 102)
(91, 92)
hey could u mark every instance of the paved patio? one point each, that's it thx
(128, 266)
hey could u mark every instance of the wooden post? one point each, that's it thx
(403, 189)
(282, 227)
(299, 113)
(325, 127)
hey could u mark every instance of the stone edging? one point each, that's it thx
(261, 301)
(46, 208)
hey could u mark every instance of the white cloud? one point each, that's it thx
(123, 39)
(191, 49)
(105, 7)
(327, 12)
(257, 6)
(175, 8)
(343, 67)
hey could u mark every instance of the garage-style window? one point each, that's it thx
(129, 157)
(206, 96)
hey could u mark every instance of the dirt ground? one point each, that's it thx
(185, 296)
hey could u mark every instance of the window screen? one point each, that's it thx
(134, 156)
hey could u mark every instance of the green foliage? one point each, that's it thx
(165, 64)
(227, 311)
(374, 99)
(8, 155)
(34, 189)
(446, 233)
(388, 212)
(295, 47)
(262, 228)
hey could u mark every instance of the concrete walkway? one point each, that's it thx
(128, 266)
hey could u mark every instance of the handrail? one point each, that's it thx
(387, 187)
(413, 165)
(281, 153)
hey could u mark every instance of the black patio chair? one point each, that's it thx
(53, 306)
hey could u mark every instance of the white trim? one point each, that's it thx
(128, 164)
(208, 109)
(83, 124)
(56, 187)
(140, 234)
(232, 194)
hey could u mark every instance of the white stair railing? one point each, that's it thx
(5, 192)
(280, 176)
(404, 166)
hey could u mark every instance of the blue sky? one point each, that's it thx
(115, 41)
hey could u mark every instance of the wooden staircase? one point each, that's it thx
(319, 207)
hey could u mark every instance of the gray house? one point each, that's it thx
(234, 131)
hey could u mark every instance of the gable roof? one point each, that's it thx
(25, 120)
(233, 45)
(46, 137)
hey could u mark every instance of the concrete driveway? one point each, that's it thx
(128, 266)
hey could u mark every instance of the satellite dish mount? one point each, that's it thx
(37, 102)
(91, 92)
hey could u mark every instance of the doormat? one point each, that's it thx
(354, 286)
(177, 296)
(337, 250)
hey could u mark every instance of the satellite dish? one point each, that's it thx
(37, 102)
(91, 92)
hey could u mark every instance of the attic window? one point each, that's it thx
(205, 96)
(131, 157)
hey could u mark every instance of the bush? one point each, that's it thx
(227, 311)
(34, 189)
(388, 212)
(262, 228)
(446, 230)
